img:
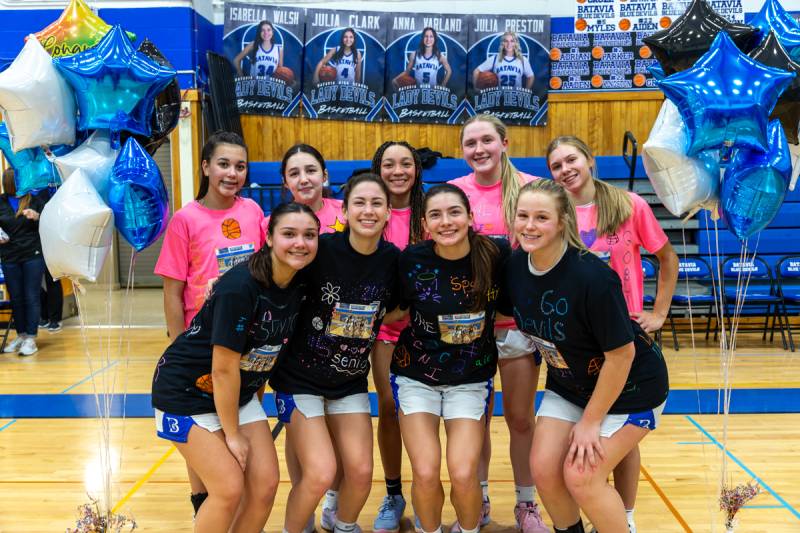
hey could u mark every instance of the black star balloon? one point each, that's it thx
(691, 35)
(167, 108)
(772, 53)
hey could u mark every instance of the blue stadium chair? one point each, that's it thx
(650, 272)
(756, 290)
(788, 278)
(695, 291)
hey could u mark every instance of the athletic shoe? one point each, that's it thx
(389, 514)
(529, 520)
(417, 525)
(54, 327)
(43, 323)
(28, 346)
(328, 520)
(356, 529)
(14, 345)
(310, 525)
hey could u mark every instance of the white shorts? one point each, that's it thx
(311, 405)
(176, 427)
(470, 400)
(512, 343)
(556, 406)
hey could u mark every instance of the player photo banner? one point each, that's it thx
(265, 46)
(344, 64)
(508, 67)
(426, 63)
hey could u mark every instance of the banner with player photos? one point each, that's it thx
(508, 67)
(265, 46)
(426, 64)
(344, 64)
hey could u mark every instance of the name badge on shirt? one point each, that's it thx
(353, 320)
(231, 256)
(260, 359)
(462, 328)
(549, 353)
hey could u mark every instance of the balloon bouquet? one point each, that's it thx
(80, 105)
(722, 138)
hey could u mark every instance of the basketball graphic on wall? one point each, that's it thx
(231, 228)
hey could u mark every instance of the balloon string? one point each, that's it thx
(125, 338)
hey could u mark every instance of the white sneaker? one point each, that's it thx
(28, 346)
(14, 345)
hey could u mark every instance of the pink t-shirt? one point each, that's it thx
(621, 250)
(201, 244)
(486, 202)
(330, 217)
(396, 232)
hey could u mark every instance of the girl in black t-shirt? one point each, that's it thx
(321, 384)
(207, 384)
(445, 358)
(606, 379)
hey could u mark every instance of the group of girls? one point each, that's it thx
(416, 283)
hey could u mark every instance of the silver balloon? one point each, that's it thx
(76, 228)
(681, 182)
(38, 106)
(95, 157)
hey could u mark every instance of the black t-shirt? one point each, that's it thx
(242, 315)
(575, 313)
(23, 233)
(445, 343)
(349, 294)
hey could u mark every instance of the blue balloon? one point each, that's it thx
(773, 17)
(137, 196)
(726, 97)
(32, 170)
(755, 185)
(115, 85)
(657, 71)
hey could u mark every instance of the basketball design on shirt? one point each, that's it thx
(205, 384)
(231, 228)
(595, 365)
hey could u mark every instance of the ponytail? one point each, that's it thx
(483, 261)
(510, 183)
(614, 207)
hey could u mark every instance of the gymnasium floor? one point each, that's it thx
(49, 435)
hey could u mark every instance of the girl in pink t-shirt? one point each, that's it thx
(207, 237)
(492, 189)
(304, 175)
(613, 224)
(399, 166)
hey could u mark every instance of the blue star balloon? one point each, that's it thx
(755, 185)
(137, 196)
(115, 85)
(657, 72)
(32, 170)
(773, 17)
(725, 99)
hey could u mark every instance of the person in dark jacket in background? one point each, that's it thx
(23, 262)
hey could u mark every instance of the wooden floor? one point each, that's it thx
(45, 462)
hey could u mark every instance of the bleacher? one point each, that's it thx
(691, 237)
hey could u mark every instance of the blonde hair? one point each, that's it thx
(564, 207)
(614, 206)
(510, 180)
(517, 51)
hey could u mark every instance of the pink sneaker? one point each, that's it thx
(529, 520)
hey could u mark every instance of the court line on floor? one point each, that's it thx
(744, 467)
(667, 502)
(90, 376)
(7, 424)
(143, 479)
